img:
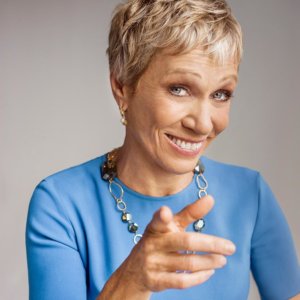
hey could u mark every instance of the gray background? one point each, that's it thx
(57, 110)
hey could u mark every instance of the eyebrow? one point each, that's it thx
(183, 71)
(234, 77)
(187, 71)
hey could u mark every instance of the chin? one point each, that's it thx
(179, 166)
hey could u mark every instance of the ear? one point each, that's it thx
(120, 92)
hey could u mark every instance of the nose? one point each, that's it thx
(200, 118)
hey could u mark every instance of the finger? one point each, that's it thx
(193, 262)
(162, 221)
(182, 280)
(194, 211)
(194, 241)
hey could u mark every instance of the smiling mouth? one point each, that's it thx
(185, 145)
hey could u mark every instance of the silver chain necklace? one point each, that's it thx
(109, 173)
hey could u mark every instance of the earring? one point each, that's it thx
(123, 117)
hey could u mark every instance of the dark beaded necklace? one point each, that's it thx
(109, 173)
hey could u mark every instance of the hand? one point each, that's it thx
(158, 262)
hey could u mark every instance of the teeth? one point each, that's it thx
(185, 145)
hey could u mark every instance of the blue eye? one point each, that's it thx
(179, 91)
(222, 95)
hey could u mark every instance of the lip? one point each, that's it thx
(185, 139)
(188, 153)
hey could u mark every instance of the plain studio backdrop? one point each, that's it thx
(57, 109)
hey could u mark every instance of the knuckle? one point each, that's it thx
(149, 262)
(214, 246)
(188, 242)
(155, 282)
(151, 243)
(148, 246)
(189, 263)
(218, 246)
(150, 229)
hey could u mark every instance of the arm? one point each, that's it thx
(273, 257)
(55, 268)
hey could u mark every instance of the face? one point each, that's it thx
(180, 105)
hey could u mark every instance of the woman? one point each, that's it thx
(129, 224)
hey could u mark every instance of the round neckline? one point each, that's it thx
(171, 197)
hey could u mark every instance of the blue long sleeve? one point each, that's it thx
(55, 267)
(273, 257)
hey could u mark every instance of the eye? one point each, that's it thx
(222, 95)
(179, 91)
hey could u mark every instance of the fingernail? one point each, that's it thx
(230, 247)
(223, 261)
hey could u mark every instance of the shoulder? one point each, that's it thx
(69, 187)
(238, 186)
(76, 180)
(229, 173)
(74, 175)
(62, 201)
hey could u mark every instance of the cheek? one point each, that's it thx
(143, 118)
(221, 120)
(165, 115)
(158, 113)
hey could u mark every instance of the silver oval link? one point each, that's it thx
(202, 193)
(202, 188)
(137, 238)
(121, 205)
(111, 183)
(198, 178)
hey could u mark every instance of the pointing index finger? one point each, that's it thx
(162, 221)
(194, 211)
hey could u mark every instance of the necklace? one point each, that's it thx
(109, 173)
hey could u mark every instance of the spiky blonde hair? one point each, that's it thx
(141, 28)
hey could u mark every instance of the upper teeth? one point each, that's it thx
(186, 145)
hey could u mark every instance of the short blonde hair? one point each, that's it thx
(140, 28)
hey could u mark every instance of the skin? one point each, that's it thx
(179, 96)
(152, 111)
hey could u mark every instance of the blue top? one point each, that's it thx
(75, 239)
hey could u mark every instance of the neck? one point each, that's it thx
(148, 179)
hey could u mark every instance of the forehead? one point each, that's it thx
(194, 62)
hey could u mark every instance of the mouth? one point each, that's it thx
(186, 145)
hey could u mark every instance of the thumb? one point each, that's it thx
(162, 221)
(194, 211)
